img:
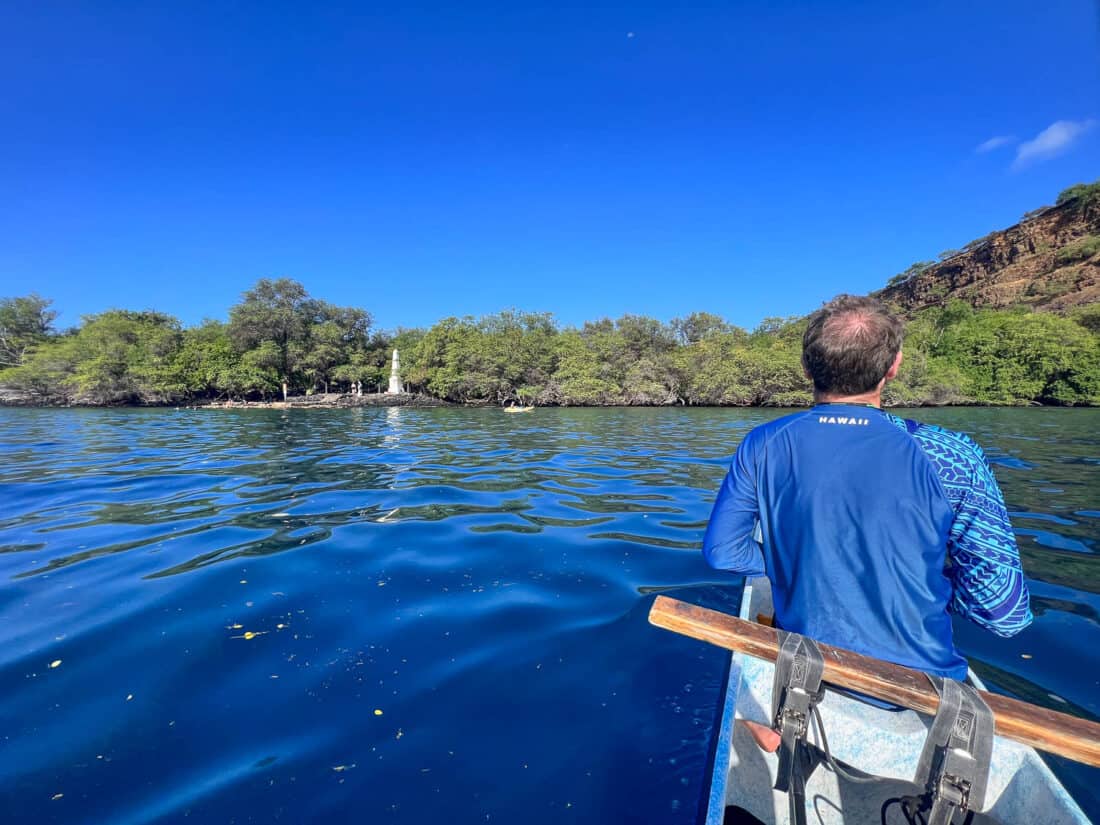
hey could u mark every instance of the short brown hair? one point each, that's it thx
(850, 344)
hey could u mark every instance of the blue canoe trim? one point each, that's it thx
(716, 804)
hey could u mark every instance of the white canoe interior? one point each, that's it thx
(885, 743)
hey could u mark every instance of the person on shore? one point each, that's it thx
(871, 528)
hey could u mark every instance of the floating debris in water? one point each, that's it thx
(55, 663)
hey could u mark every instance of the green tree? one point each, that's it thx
(25, 323)
(716, 371)
(501, 358)
(580, 377)
(116, 357)
(47, 374)
(1018, 357)
(126, 357)
(205, 363)
(277, 314)
(699, 326)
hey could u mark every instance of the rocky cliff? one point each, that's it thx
(1049, 261)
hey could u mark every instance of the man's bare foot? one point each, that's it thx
(765, 737)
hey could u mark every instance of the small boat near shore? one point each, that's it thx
(876, 748)
(518, 409)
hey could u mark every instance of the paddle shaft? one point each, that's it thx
(1047, 730)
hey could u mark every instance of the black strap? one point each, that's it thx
(954, 764)
(796, 690)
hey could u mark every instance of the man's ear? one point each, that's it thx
(892, 373)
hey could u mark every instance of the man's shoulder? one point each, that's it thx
(951, 452)
(762, 433)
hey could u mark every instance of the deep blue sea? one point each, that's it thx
(420, 616)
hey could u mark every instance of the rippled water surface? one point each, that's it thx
(421, 615)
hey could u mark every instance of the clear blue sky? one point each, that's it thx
(748, 159)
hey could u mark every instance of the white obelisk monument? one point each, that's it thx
(395, 376)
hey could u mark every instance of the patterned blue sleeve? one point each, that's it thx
(989, 584)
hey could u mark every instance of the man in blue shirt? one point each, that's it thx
(869, 526)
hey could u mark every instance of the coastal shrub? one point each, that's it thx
(1012, 357)
(1080, 250)
(1088, 317)
(1083, 194)
(910, 273)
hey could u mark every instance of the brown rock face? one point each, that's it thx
(1033, 263)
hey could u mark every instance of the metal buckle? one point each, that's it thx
(953, 790)
(794, 707)
(950, 784)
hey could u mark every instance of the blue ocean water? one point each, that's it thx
(401, 615)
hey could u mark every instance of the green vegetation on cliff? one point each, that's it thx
(278, 335)
(1083, 195)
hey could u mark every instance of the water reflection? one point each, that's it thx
(480, 580)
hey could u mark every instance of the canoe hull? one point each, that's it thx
(872, 740)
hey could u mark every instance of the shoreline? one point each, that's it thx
(334, 401)
(330, 401)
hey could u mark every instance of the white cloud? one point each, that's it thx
(1052, 141)
(994, 143)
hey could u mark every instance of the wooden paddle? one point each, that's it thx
(1047, 730)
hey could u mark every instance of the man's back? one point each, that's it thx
(858, 514)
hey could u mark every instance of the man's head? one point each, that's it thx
(851, 345)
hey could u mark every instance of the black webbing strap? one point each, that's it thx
(954, 764)
(796, 689)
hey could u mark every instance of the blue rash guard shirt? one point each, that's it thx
(871, 528)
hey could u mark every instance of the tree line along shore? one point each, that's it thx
(278, 336)
(280, 343)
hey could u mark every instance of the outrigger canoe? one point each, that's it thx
(864, 739)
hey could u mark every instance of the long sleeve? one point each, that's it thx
(989, 584)
(730, 543)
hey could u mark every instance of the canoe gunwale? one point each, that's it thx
(756, 601)
(720, 758)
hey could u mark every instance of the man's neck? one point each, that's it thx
(869, 399)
